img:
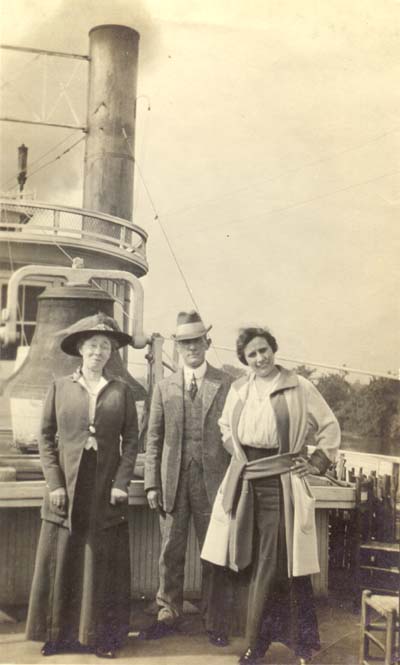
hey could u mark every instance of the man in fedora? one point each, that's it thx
(185, 464)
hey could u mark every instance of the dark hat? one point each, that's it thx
(97, 324)
(189, 326)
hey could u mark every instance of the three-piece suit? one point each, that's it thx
(186, 461)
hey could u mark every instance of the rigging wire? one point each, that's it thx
(294, 170)
(273, 211)
(157, 219)
(55, 159)
(341, 368)
(21, 71)
(57, 145)
(144, 144)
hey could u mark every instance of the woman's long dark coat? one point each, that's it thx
(81, 583)
(64, 432)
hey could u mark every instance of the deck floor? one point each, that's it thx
(339, 631)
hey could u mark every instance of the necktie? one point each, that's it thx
(193, 388)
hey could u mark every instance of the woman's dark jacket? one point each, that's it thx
(64, 433)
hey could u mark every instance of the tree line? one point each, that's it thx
(364, 409)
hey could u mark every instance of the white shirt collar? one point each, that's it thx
(198, 372)
(103, 382)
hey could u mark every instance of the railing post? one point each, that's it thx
(56, 221)
(122, 237)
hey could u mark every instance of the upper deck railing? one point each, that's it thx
(23, 221)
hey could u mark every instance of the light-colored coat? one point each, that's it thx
(165, 433)
(298, 406)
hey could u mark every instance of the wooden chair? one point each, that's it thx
(380, 614)
(378, 560)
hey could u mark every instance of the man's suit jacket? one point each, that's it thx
(165, 432)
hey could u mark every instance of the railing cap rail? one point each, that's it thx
(42, 205)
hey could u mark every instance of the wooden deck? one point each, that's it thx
(339, 632)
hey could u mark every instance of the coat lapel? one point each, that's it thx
(175, 395)
(211, 385)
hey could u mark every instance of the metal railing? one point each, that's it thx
(33, 221)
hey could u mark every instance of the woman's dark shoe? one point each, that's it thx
(50, 648)
(105, 652)
(217, 639)
(252, 656)
(157, 630)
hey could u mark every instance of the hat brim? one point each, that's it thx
(191, 334)
(70, 343)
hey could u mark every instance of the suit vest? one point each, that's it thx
(192, 440)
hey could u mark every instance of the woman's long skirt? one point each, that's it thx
(279, 609)
(81, 584)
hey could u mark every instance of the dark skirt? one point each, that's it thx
(280, 609)
(81, 584)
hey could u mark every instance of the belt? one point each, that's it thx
(258, 468)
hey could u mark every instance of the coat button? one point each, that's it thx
(92, 429)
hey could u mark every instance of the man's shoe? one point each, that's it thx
(252, 656)
(157, 630)
(104, 652)
(217, 639)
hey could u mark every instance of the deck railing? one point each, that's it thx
(35, 222)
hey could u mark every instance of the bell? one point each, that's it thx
(58, 308)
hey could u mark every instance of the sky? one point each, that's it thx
(271, 155)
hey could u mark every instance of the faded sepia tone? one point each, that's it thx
(267, 155)
(270, 154)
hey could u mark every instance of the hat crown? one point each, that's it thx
(94, 322)
(188, 317)
(189, 325)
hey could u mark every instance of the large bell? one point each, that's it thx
(58, 308)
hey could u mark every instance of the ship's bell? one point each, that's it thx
(58, 308)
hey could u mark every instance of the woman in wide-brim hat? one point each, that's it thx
(88, 444)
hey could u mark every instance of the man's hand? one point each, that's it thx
(154, 499)
(58, 498)
(302, 467)
(118, 496)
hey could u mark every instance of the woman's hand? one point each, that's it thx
(118, 496)
(154, 499)
(302, 467)
(58, 498)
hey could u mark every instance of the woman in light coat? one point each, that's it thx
(265, 502)
(88, 444)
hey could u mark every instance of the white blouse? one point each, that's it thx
(257, 424)
(92, 442)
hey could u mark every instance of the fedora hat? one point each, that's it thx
(97, 324)
(189, 326)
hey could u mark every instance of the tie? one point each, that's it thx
(193, 388)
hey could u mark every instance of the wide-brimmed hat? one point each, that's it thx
(97, 324)
(189, 326)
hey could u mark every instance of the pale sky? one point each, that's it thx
(271, 153)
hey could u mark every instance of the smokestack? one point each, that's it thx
(109, 165)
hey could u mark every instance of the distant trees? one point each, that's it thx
(371, 409)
